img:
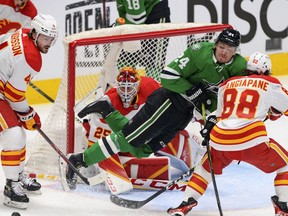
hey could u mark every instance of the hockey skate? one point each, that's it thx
(281, 208)
(71, 177)
(102, 107)
(14, 195)
(183, 208)
(30, 185)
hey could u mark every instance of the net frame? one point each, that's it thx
(109, 39)
(109, 35)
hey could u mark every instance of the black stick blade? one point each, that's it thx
(132, 204)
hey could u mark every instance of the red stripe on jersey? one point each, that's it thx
(281, 179)
(238, 136)
(13, 94)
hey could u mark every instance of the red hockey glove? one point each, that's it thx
(274, 114)
(29, 119)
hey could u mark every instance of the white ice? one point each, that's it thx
(243, 190)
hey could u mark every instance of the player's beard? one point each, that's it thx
(44, 49)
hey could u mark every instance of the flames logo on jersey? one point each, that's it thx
(7, 26)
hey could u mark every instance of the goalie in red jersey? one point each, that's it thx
(128, 96)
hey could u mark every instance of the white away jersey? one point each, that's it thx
(20, 61)
(243, 104)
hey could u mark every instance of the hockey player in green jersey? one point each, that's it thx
(187, 82)
(152, 54)
(144, 11)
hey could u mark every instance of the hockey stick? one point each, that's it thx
(206, 143)
(41, 92)
(62, 155)
(134, 204)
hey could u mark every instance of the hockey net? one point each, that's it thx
(147, 47)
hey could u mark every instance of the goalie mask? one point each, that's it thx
(46, 25)
(258, 63)
(127, 84)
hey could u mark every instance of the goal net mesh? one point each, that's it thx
(89, 54)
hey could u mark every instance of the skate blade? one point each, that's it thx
(19, 205)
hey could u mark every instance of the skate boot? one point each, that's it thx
(102, 107)
(14, 195)
(281, 208)
(183, 208)
(30, 185)
(71, 176)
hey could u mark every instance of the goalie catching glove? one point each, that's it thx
(205, 132)
(29, 119)
(198, 96)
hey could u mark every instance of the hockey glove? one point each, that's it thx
(205, 132)
(29, 119)
(197, 95)
(274, 114)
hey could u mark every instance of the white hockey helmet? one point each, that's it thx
(127, 84)
(46, 25)
(260, 63)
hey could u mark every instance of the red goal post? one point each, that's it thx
(147, 47)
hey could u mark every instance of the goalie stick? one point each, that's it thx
(134, 204)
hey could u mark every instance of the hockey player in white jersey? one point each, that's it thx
(16, 14)
(20, 61)
(240, 134)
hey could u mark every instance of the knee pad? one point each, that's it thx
(13, 139)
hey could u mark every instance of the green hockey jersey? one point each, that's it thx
(198, 65)
(135, 11)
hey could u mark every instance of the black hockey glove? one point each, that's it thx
(205, 132)
(197, 95)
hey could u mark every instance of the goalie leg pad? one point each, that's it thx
(117, 179)
(148, 168)
(179, 151)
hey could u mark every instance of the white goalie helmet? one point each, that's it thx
(127, 84)
(260, 63)
(46, 25)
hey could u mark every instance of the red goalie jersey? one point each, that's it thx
(99, 128)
